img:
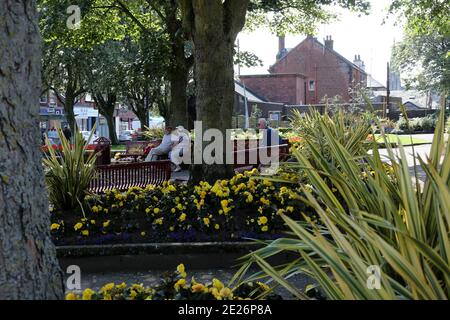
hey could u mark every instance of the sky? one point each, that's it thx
(365, 35)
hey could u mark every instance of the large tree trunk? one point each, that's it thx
(111, 128)
(214, 25)
(69, 112)
(28, 265)
(179, 69)
(106, 109)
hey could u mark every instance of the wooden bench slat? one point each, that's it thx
(125, 176)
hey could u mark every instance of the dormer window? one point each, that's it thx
(312, 85)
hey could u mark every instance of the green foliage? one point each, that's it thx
(351, 131)
(154, 133)
(68, 172)
(297, 16)
(385, 220)
(405, 125)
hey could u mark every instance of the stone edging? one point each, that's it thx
(155, 248)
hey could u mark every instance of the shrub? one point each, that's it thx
(68, 172)
(349, 130)
(396, 225)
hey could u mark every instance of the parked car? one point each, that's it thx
(86, 136)
(127, 135)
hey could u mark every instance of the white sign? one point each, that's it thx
(85, 112)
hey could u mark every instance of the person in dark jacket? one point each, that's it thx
(67, 133)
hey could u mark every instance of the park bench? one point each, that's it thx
(252, 159)
(134, 149)
(125, 176)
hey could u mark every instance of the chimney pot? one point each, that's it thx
(329, 42)
(281, 47)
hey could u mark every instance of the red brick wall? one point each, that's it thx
(331, 74)
(282, 88)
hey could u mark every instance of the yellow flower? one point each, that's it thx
(71, 296)
(182, 217)
(143, 233)
(93, 221)
(172, 228)
(156, 210)
(180, 283)
(118, 196)
(249, 198)
(85, 232)
(265, 228)
(159, 221)
(121, 204)
(87, 294)
(95, 209)
(55, 226)
(121, 286)
(181, 270)
(173, 210)
(147, 210)
(217, 284)
(180, 206)
(216, 226)
(133, 294)
(264, 201)
(107, 287)
(106, 223)
(290, 208)
(198, 288)
(79, 225)
(105, 210)
(224, 203)
(206, 221)
(262, 220)
(226, 293)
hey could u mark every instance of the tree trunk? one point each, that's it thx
(28, 265)
(214, 26)
(111, 128)
(179, 69)
(69, 103)
(144, 119)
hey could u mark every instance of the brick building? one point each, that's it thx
(308, 73)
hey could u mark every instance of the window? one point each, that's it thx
(43, 98)
(312, 85)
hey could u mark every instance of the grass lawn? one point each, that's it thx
(405, 140)
(118, 147)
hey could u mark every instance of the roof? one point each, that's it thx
(249, 94)
(373, 83)
(341, 57)
(413, 98)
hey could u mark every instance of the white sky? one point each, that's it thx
(365, 35)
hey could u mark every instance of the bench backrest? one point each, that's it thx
(136, 147)
(125, 176)
(252, 157)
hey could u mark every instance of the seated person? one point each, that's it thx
(181, 147)
(269, 134)
(164, 148)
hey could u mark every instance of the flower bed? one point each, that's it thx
(242, 207)
(175, 286)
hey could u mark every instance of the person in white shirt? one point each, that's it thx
(164, 148)
(181, 147)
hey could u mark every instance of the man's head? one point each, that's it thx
(262, 123)
(168, 129)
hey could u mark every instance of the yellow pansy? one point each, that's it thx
(55, 226)
(85, 232)
(206, 221)
(182, 217)
(156, 210)
(87, 294)
(106, 223)
(262, 220)
(71, 296)
(78, 226)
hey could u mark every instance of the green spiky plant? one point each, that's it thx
(69, 171)
(387, 219)
(349, 130)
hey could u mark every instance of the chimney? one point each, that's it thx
(359, 62)
(281, 47)
(328, 42)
